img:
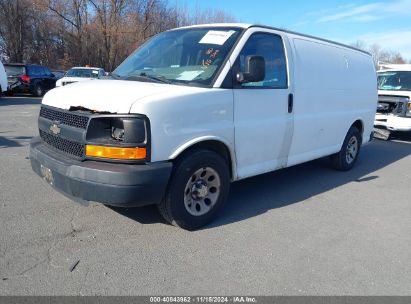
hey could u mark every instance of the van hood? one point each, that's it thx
(113, 96)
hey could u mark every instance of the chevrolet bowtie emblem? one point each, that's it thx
(55, 129)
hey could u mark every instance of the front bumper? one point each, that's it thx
(125, 185)
(19, 87)
(393, 123)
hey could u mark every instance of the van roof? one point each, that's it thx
(23, 64)
(86, 68)
(248, 25)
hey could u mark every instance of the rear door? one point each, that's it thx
(262, 116)
(13, 73)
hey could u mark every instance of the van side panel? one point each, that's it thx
(3, 79)
(333, 87)
(181, 118)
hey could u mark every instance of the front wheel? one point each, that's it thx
(348, 155)
(199, 186)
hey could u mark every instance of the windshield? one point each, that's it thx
(15, 70)
(84, 73)
(394, 81)
(188, 56)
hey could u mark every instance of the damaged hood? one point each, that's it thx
(114, 96)
(73, 79)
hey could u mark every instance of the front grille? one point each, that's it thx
(67, 146)
(394, 105)
(69, 119)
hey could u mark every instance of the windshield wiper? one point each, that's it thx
(143, 75)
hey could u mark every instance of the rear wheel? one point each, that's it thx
(198, 188)
(346, 158)
(38, 90)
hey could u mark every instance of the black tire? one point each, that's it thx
(38, 90)
(348, 155)
(193, 189)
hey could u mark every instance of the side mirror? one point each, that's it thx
(254, 70)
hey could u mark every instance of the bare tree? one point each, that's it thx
(359, 44)
(379, 54)
(63, 33)
(108, 25)
(73, 15)
(203, 16)
(397, 58)
(14, 16)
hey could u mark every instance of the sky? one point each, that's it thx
(386, 22)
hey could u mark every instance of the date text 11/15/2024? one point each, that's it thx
(203, 299)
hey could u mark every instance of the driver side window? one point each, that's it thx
(271, 47)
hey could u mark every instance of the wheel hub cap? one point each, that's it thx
(199, 190)
(202, 191)
(352, 150)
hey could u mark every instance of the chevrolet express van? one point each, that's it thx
(198, 107)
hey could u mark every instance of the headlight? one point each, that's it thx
(135, 153)
(117, 137)
(117, 133)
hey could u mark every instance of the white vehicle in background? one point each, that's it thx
(394, 101)
(77, 74)
(198, 107)
(3, 80)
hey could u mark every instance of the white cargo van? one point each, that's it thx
(394, 101)
(3, 80)
(196, 108)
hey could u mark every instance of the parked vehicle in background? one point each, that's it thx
(77, 74)
(198, 107)
(394, 102)
(59, 73)
(29, 78)
(3, 80)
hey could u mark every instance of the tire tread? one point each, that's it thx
(338, 159)
(165, 208)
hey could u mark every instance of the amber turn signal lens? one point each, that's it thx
(115, 152)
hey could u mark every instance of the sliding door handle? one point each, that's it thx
(290, 102)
